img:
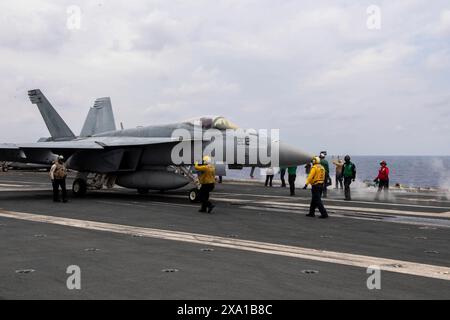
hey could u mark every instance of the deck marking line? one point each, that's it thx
(409, 268)
(337, 200)
(364, 209)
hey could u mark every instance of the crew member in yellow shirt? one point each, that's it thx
(316, 179)
(207, 179)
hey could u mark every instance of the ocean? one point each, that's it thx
(411, 171)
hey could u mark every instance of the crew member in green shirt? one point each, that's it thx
(292, 174)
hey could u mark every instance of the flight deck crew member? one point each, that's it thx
(382, 179)
(326, 166)
(252, 172)
(269, 176)
(307, 168)
(206, 177)
(58, 174)
(349, 173)
(292, 175)
(282, 174)
(339, 177)
(316, 179)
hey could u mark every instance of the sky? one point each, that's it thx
(341, 76)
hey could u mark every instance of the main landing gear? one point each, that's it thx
(79, 187)
(91, 181)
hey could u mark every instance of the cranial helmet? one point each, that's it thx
(347, 158)
(207, 159)
(315, 160)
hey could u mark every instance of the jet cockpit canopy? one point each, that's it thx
(213, 122)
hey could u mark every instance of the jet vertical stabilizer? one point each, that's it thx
(99, 119)
(56, 126)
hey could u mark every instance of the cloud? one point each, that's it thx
(24, 27)
(363, 63)
(439, 60)
(202, 82)
(443, 27)
(312, 69)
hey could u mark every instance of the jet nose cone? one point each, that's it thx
(291, 156)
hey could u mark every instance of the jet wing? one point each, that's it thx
(8, 146)
(11, 152)
(97, 143)
(93, 154)
(62, 145)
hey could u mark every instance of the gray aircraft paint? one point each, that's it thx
(100, 118)
(138, 157)
(152, 179)
(59, 130)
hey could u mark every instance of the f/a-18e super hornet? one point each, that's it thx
(142, 158)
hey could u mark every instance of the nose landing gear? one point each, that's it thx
(193, 195)
(79, 187)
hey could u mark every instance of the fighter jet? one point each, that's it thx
(142, 158)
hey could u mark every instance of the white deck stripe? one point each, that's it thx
(410, 268)
(22, 182)
(338, 200)
(335, 207)
(300, 205)
(364, 209)
(2, 189)
(14, 185)
(339, 208)
(432, 222)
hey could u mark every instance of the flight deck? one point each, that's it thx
(257, 244)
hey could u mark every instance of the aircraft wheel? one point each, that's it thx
(142, 191)
(79, 188)
(193, 195)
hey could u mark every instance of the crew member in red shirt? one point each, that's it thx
(382, 179)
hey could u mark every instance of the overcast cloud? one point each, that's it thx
(311, 68)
